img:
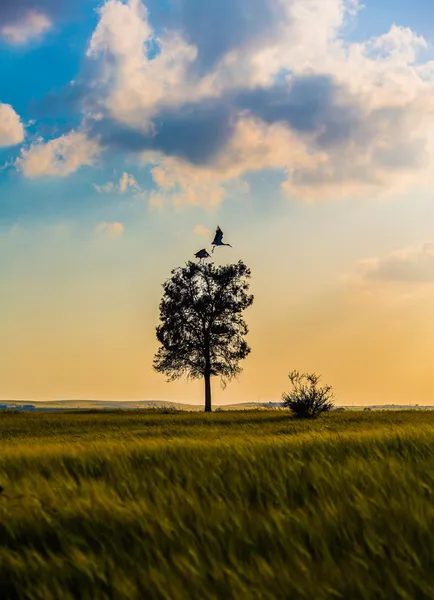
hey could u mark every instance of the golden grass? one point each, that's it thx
(227, 505)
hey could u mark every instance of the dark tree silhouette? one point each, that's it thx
(306, 399)
(202, 327)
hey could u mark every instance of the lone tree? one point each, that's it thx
(202, 327)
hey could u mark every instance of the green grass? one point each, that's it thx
(251, 505)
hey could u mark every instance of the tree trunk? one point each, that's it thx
(207, 391)
(207, 375)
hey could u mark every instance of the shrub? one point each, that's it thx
(307, 400)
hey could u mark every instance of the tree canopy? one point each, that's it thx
(202, 327)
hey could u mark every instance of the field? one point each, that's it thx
(253, 505)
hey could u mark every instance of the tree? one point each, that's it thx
(202, 327)
(306, 399)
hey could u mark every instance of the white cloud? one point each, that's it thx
(11, 127)
(253, 147)
(399, 44)
(305, 39)
(32, 26)
(113, 229)
(126, 182)
(59, 157)
(386, 149)
(183, 184)
(370, 131)
(132, 85)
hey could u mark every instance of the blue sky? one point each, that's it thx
(377, 16)
(39, 72)
(129, 130)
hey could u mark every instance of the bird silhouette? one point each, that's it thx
(202, 254)
(218, 239)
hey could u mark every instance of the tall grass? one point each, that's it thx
(226, 505)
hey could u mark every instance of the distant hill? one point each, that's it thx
(123, 405)
(97, 404)
(56, 405)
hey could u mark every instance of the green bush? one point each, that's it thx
(306, 399)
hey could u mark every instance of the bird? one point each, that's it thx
(218, 239)
(202, 254)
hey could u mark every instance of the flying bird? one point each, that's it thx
(202, 254)
(218, 239)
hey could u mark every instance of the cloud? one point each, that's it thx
(414, 265)
(156, 200)
(254, 146)
(217, 26)
(126, 182)
(276, 87)
(399, 44)
(108, 187)
(195, 132)
(202, 231)
(111, 229)
(183, 184)
(11, 127)
(59, 157)
(130, 83)
(32, 25)
(394, 279)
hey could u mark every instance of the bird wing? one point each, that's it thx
(218, 236)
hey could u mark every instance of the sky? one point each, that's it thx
(130, 129)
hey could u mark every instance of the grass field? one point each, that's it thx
(251, 505)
